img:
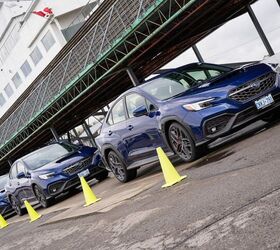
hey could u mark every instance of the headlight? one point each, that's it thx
(196, 106)
(46, 176)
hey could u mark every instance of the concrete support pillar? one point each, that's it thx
(197, 53)
(132, 76)
(260, 30)
(89, 134)
(55, 135)
(77, 136)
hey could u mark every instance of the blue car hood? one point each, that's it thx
(59, 164)
(220, 86)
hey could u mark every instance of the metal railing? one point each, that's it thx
(96, 54)
(80, 19)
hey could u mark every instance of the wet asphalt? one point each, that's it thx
(230, 200)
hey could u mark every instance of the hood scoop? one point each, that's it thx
(65, 157)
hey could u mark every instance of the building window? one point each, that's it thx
(36, 56)
(48, 41)
(9, 44)
(9, 90)
(17, 80)
(26, 69)
(2, 100)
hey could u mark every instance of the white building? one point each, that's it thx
(28, 42)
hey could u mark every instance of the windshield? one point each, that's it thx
(179, 81)
(163, 88)
(48, 154)
(3, 181)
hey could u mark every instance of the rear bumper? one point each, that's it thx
(228, 122)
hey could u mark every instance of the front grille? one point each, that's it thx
(253, 88)
(72, 182)
(78, 166)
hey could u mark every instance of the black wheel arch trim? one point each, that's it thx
(111, 148)
(163, 122)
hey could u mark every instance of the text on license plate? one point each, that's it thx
(84, 173)
(264, 101)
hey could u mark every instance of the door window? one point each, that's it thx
(214, 73)
(13, 173)
(20, 168)
(110, 120)
(133, 102)
(118, 112)
(151, 106)
(198, 75)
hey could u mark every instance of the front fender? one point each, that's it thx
(107, 147)
(172, 118)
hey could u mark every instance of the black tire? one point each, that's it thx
(181, 142)
(102, 175)
(16, 205)
(119, 169)
(41, 198)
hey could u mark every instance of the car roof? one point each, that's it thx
(166, 72)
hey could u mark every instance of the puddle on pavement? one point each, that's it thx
(213, 158)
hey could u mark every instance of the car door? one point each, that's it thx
(23, 183)
(117, 127)
(12, 183)
(142, 133)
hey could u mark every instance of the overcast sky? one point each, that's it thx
(238, 40)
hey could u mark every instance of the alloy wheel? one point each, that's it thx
(181, 142)
(40, 196)
(116, 166)
(15, 205)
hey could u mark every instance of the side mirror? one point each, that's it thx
(21, 175)
(140, 111)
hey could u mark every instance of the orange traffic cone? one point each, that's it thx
(171, 175)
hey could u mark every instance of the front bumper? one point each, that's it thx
(5, 209)
(228, 122)
(62, 185)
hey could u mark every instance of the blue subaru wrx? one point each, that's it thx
(51, 170)
(5, 206)
(183, 110)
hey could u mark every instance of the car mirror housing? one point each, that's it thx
(21, 175)
(142, 110)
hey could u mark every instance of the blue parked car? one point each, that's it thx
(47, 172)
(5, 206)
(182, 111)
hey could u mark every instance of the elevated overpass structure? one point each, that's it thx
(122, 36)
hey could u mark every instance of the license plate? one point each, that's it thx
(264, 102)
(84, 173)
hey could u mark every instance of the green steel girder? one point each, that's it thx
(148, 23)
